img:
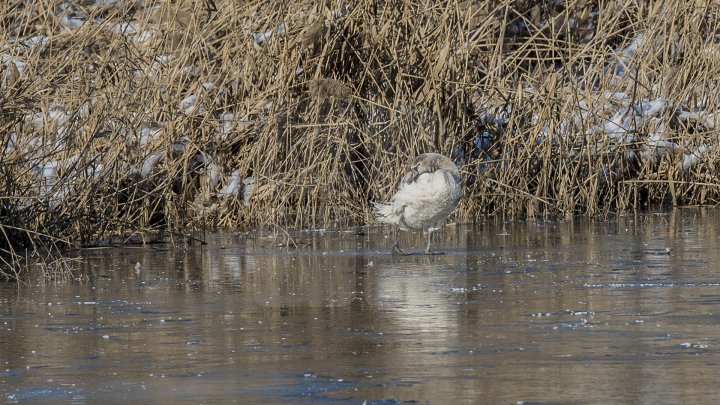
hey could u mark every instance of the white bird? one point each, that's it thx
(427, 194)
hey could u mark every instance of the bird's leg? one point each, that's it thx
(396, 244)
(427, 247)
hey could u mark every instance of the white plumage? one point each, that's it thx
(427, 194)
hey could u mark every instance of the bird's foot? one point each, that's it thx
(397, 251)
(427, 252)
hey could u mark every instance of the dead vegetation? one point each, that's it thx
(121, 119)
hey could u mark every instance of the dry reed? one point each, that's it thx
(127, 119)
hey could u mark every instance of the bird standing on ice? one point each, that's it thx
(427, 194)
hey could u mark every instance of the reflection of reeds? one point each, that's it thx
(119, 121)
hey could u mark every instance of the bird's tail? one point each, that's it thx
(383, 214)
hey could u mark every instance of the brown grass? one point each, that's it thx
(329, 101)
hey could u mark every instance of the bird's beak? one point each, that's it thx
(411, 175)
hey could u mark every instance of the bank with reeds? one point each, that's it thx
(120, 119)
